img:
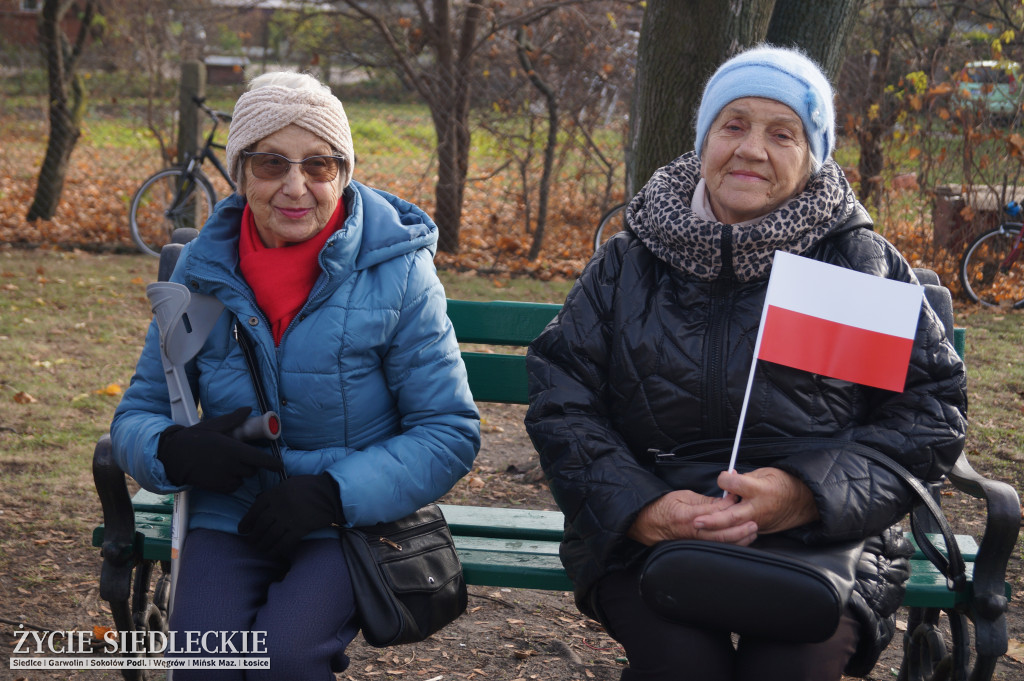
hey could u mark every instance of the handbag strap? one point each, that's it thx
(952, 564)
(261, 397)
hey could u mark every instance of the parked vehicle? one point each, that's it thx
(992, 86)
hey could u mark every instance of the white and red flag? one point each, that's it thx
(840, 323)
(836, 322)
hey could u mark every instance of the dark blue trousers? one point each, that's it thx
(305, 606)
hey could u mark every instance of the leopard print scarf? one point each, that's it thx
(660, 215)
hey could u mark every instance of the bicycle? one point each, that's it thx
(179, 196)
(608, 227)
(989, 272)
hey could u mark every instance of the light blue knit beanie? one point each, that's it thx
(784, 75)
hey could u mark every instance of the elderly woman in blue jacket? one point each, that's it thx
(334, 285)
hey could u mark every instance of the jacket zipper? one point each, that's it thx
(715, 407)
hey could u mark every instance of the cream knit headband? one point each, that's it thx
(267, 109)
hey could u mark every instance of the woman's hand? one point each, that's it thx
(206, 456)
(672, 517)
(281, 516)
(771, 498)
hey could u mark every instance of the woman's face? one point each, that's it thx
(291, 208)
(756, 157)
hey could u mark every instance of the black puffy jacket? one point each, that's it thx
(643, 356)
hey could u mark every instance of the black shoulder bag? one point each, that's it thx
(406, 575)
(777, 588)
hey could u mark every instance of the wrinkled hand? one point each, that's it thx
(206, 456)
(672, 517)
(280, 517)
(771, 498)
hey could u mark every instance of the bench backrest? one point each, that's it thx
(501, 376)
(498, 376)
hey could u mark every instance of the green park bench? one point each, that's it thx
(514, 547)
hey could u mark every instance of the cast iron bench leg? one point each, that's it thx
(130, 603)
(987, 609)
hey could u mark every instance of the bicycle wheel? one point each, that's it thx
(612, 222)
(166, 201)
(989, 271)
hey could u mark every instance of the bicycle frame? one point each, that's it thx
(206, 153)
(1014, 253)
(193, 163)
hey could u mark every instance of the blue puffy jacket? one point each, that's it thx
(368, 379)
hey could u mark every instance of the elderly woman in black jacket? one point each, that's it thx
(653, 348)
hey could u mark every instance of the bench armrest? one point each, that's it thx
(997, 544)
(118, 549)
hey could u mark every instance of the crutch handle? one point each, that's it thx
(264, 427)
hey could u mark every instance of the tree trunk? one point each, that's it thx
(67, 105)
(452, 166)
(681, 44)
(819, 28)
(874, 128)
(448, 90)
(64, 133)
(551, 103)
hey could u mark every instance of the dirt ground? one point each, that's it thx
(504, 635)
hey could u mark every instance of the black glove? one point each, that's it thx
(283, 515)
(205, 456)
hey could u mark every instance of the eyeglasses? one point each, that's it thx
(268, 166)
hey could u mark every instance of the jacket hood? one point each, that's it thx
(378, 227)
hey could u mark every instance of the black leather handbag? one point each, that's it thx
(407, 577)
(778, 588)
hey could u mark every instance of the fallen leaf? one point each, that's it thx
(112, 389)
(1015, 650)
(24, 398)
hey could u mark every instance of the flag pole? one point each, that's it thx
(750, 384)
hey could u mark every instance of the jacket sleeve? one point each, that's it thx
(440, 424)
(923, 428)
(594, 477)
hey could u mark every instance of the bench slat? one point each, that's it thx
(497, 377)
(504, 523)
(927, 588)
(518, 548)
(968, 546)
(517, 523)
(512, 563)
(534, 564)
(145, 500)
(499, 322)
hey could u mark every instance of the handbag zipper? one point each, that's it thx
(385, 540)
(411, 532)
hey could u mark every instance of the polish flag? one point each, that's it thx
(837, 322)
